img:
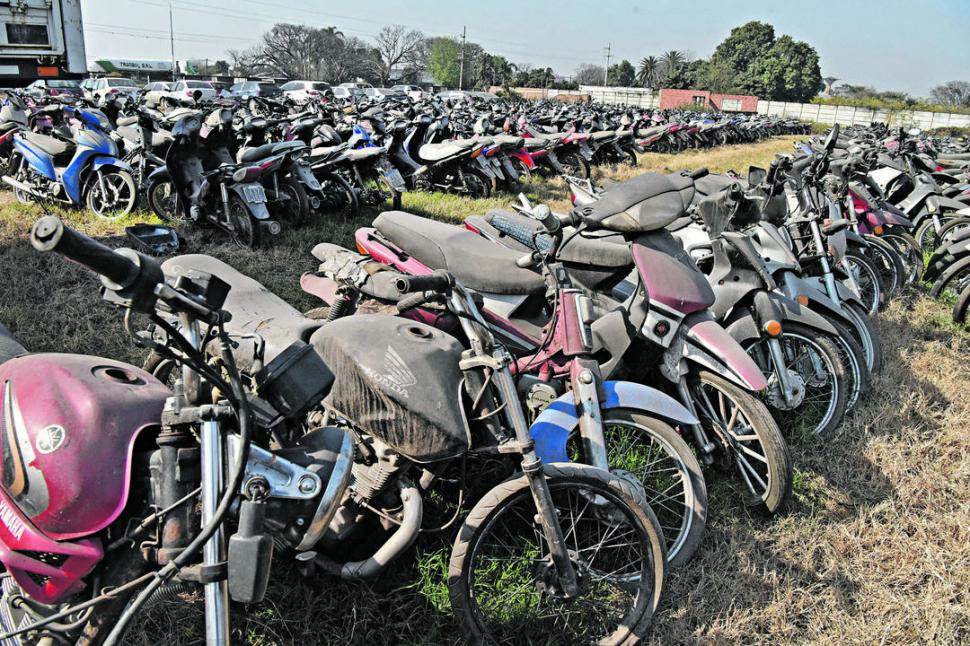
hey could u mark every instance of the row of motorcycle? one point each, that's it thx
(253, 167)
(553, 389)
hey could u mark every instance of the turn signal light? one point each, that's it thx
(773, 328)
(802, 300)
(878, 230)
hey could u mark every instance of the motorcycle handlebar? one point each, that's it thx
(440, 281)
(49, 234)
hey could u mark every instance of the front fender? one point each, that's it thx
(709, 345)
(110, 162)
(791, 311)
(560, 419)
(795, 286)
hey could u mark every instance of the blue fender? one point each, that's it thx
(552, 428)
(39, 161)
(101, 162)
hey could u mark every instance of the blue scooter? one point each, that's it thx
(84, 170)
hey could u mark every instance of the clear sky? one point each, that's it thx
(909, 45)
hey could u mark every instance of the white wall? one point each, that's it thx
(848, 115)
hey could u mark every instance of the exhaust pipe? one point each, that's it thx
(400, 540)
(21, 186)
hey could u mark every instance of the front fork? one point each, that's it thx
(213, 467)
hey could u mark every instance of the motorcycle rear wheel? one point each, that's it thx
(574, 165)
(910, 254)
(163, 201)
(245, 232)
(502, 584)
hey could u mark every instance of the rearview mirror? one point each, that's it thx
(832, 138)
(756, 176)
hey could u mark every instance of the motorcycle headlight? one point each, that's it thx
(239, 175)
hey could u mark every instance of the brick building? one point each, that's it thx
(708, 100)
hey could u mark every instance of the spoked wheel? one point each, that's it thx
(752, 444)
(525, 175)
(814, 366)
(293, 205)
(910, 254)
(884, 258)
(574, 164)
(951, 228)
(928, 236)
(655, 455)
(630, 158)
(475, 184)
(952, 281)
(854, 360)
(111, 194)
(960, 309)
(22, 196)
(338, 196)
(868, 280)
(866, 336)
(504, 586)
(163, 201)
(377, 192)
(245, 232)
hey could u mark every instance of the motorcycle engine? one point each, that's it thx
(375, 469)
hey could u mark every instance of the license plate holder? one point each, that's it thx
(254, 194)
(395, 178)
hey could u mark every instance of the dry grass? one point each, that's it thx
(874, 550)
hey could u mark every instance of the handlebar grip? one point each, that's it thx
(699, 173)
(440, 281)
(50, 234)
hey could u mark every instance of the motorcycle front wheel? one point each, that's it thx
(504, 586)
(111, 195)
(163, 201)
(752, 444)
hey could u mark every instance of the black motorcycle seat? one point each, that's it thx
(474, 261)
(268, 150)
(533, 143)
(649, 132)
(595, 248)
(254, 309)
(647, 202)
(10, 347)
(601, 135)
(7, 126)
(322, 152)
(712, 184)
(126, 121)
(49, 145)
(508, 140)
(955, 156)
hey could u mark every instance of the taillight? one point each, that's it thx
(313, 93)
(471, 228)
(476, 152)
(939, 169)
(54, 92)
(113, 91)
(188, 93)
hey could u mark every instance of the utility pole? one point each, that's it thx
(461, 71)
(606, 71)
(171, 34)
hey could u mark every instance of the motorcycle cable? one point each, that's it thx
(245, 417)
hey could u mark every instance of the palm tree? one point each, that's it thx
(649, 71)
(672, 60)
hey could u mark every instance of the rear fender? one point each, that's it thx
(257, 209)
(320, 286)
(551, 430)
(39, 161)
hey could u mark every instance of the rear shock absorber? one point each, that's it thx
(342, 304)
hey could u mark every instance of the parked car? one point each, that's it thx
(154, 91)
(303, 91)
(54, 87)
(105, 87)
(348, 94)
(253, 88)
(360, 85)
(220, 87)
(192, 91)
(413, 91)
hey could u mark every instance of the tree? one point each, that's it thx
(588, 74)
(398, 47)
(955, 93)
(648, 74)
(783, 69)
(492, 70)
(621, 74)
(789, 72)
(717, 76)
(745, 46)
(444, 61)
